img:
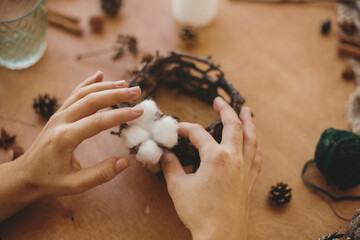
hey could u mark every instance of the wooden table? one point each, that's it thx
(273, 54)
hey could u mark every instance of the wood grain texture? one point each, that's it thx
(273, 54)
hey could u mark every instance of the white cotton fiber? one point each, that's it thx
(164, 131)
(149, 152)
(134, 135)
(149, 134)
(150, 111)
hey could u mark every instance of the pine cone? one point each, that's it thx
(45, 106)
(111, 7)
(280, 194)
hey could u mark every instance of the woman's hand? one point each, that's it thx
(48, 167)
(213, 202)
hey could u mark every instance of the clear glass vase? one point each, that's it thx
(22, 32)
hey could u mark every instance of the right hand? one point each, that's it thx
(213, 202)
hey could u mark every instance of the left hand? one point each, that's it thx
(51, 168)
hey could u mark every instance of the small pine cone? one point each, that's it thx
(111, 7)
(188, 36)
(45, 106)
(280, 194)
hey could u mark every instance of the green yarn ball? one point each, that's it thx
(337, 156)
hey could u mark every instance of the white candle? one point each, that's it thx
(197, 13)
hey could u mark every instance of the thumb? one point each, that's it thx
(171, 166)
(100, 173)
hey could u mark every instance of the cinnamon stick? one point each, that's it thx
(67, 17)
(350, 40)
(349, 50)
(64, 21)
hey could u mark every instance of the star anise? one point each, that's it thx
(6, 139)
(124, 43)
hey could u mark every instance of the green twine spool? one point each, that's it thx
(337, 156)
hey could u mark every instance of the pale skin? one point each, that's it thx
(212, 203)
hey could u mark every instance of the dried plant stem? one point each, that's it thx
(96, 53)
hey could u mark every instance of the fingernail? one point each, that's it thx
(246, 110)
(98, 72)
(120, 84)
(218, 99)
(134, 90)
(122, 164)
(137, 110)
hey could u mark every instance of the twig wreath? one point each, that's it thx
(186, 74)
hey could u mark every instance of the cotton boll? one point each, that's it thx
(150, 111)
(134, 135)
(149, 152)
(164, 131)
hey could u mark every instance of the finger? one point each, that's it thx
(93, 176)
(255, 166)
(171, 167)
(250, 139)
(95, 87)
(232, 134)
(94, 124)
(99, 100)
(97, 77)
(197, 135)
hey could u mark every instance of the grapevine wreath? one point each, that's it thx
(188, 74)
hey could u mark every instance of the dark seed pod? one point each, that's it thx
(111, 7)
(97, 23)
(45, 106)
(326, 27)
(280, 194)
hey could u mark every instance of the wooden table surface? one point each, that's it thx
(274, 55)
